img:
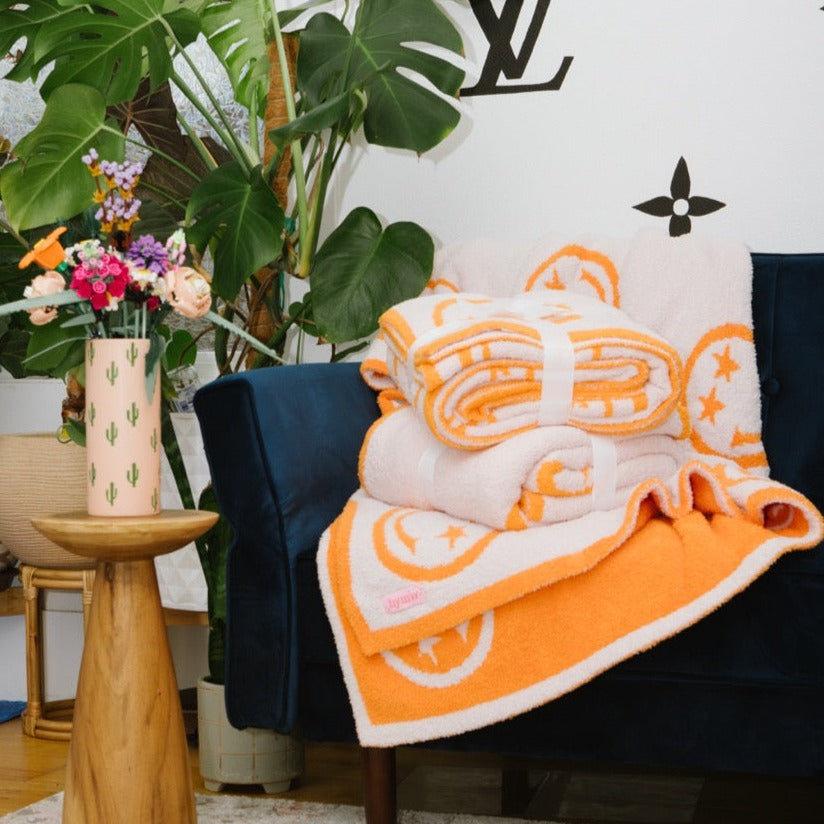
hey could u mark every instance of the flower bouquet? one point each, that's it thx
(124, 288)
(108, 301)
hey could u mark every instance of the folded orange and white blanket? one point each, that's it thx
(694, 290)
(479, 370)
(542, 476)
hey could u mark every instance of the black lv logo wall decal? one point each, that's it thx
(501, 58)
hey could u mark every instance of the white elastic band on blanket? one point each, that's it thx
(604, 473)
(426, 470)
(558, 376)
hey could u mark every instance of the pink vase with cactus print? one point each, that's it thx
(123, 446)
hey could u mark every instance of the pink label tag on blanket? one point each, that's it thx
(403, 599)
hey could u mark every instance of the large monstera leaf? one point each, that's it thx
(362, 269)
(114, 46)
(49, 182)
(19, 24)
(376, 57)
(240, 212)
(238, 32)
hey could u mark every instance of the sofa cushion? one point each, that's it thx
(788, 312)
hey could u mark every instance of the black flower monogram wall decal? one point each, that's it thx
(680, 207)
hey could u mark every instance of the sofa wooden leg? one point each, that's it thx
(379, 795)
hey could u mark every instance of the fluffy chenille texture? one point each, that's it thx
(546, 475)
(448, 618)
(479, 370)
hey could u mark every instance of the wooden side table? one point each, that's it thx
(128, 758)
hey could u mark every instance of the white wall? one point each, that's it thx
(734, 87)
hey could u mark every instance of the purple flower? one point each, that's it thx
(148, 253)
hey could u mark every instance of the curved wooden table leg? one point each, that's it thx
(128, 757)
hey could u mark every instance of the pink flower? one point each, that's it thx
(188, 292)
(49, 283)
(101, 280)
(117, 286)
(100, 300)
(83, 288)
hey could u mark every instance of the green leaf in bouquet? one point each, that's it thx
(13, 280)
(49, 181)
(53, 350)
(79, 320)
(403, 111)
(13, 344)
(241, 213)
(362, 269)
(155, 220)
(180, 350)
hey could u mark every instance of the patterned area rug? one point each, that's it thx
(224, 809)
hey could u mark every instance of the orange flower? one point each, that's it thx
(47, 251)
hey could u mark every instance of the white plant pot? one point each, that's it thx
(250, 756)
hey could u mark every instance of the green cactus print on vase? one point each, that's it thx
(122, 436)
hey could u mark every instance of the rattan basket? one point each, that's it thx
(39, 475)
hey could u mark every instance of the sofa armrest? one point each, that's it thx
(282, 446)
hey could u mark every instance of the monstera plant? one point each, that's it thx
(112, 74)
(108, 71)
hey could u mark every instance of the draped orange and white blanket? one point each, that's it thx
(443, 625)
(445, 621)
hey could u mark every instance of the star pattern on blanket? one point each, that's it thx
(726, 364)
(681, 206)
(712, 406)
(452, 534)
(716, 374)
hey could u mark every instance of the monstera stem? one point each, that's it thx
(297, 152)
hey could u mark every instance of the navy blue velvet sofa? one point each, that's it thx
(741, 691)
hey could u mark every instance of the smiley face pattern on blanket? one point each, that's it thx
(465, 585)
(694, 292)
